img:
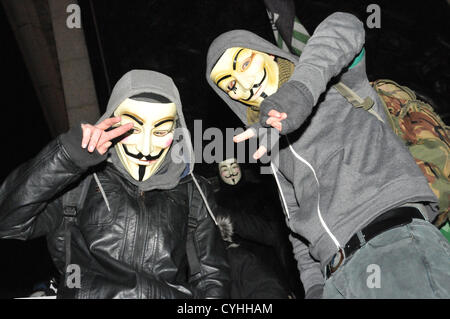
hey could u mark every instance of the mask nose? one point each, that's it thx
(145, 146)
(244, 80)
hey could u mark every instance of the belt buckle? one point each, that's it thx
(333, 265)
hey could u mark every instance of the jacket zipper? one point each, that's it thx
(141, 228)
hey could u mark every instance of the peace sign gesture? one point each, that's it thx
(96, 137)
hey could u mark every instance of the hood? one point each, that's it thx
(179, 161)
(245, 39)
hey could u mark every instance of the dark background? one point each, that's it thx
(412, 47)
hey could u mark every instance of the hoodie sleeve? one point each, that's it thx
(333, 46)
(310, 273)
(213, 281)
(26, 192)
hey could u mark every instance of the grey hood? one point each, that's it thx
(179, 161)
(239, 38)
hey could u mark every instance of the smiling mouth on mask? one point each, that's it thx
(256, 87)
(231, 175)
(139, 155)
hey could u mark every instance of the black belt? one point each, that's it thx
(395, 217)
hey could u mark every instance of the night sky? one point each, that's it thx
(412, 47)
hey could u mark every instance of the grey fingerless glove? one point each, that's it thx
(71, 141)
(292, 98)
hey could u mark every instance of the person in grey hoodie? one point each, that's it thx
(359, 206)
(145, 229)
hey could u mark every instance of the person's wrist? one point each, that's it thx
(81, 157)
(292, 98)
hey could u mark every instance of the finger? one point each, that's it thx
(116, 132)
(87, 131)
(260, 152)
(104, 147)
(283, 116)
(278, 126)
(107, 123)
(94, 140)
(244, 135)
(275, 123)
(274, 113)
(272, 120)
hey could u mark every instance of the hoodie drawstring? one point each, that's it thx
(102, 191)
(204, 198)
(336, 242)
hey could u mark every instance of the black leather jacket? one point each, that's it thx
(135, 250)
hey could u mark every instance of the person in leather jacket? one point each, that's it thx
(129, 238)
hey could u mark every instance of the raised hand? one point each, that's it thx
(266, 138)
(287, 109)
(249, 133)
(96, 137)
(275, 119)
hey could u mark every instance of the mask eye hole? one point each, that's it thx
(136, 130)
(160, 133)
(231, 85)
(246, 64)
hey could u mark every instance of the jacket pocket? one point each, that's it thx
(99, 210)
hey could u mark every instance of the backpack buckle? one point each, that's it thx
(70, 211)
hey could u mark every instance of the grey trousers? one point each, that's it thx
(412, 261)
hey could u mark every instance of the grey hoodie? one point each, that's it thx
(343, 167)
(179, 160)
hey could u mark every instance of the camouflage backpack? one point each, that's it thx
(424, 133)
(420, 128)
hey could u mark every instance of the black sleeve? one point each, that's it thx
(251, 280)
(26, 192)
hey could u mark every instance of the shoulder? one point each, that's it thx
(202, 181)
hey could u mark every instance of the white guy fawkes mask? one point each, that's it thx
(246, 75)
(145, 148)
(230, 172)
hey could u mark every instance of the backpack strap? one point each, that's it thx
(356, 100)
(73, 201)
(191, 251)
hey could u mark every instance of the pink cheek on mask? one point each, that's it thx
(169, 142)
(125, 140)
